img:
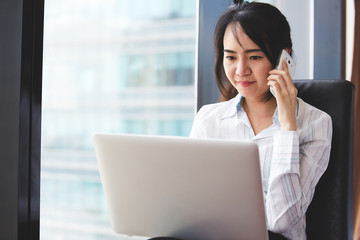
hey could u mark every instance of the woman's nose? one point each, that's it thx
(242, 69)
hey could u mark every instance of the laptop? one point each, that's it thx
(193, 189)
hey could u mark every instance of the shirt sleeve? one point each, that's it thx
(299, 159)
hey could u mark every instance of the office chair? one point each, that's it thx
(330, 214)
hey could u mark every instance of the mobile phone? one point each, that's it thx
(290, 62)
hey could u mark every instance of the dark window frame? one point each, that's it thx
(21, 44)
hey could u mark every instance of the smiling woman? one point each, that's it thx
(242, 58)
(290, 133)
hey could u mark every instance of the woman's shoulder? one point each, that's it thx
(207, 120)
(218, 109)
(215, 107)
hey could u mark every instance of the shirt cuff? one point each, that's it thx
(286, 152)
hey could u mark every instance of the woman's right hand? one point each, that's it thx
(286, 94)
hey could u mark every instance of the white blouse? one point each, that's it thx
(291, 162)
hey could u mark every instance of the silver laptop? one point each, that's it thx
(193, 189)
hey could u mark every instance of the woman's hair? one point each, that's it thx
(263, 23)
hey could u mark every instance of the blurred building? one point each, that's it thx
(116, 66)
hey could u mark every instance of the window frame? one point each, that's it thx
(21, 81)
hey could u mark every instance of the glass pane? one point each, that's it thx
(118, 66)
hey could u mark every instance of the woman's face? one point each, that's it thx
(245, 64)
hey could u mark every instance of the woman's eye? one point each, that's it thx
(230, 58)
(255, 57)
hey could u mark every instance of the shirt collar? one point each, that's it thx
(234, 107)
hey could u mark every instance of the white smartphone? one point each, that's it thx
(290, 62)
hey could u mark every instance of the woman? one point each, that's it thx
(294, 138)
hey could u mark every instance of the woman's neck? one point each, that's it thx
(260, 113)
(259, 107)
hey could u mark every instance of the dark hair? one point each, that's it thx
(263, 23)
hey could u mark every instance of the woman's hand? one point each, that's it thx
(286, 94)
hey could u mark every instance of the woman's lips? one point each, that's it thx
(244, 83)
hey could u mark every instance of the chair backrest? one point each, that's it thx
(330, 215)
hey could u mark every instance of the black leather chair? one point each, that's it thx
(330, 214)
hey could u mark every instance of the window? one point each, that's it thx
(109, 66)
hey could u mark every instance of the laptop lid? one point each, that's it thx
(181, 187)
